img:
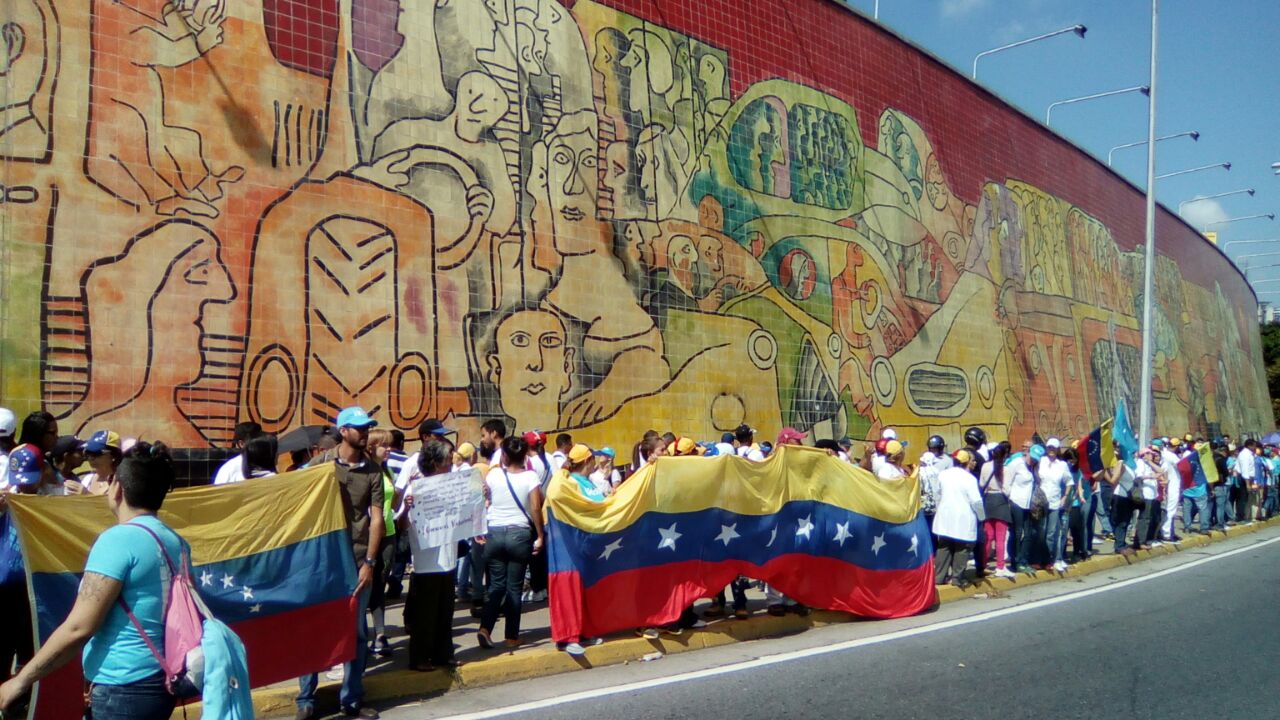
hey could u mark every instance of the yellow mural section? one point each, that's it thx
(468, 209)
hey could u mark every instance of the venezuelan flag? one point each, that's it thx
(1096, 450)
(825, 533)
(1210, 469)
(271, 557)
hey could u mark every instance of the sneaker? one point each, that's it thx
(742, 614)
(540, 596)
(306, 712)
(337, 672)
(1005, 573)
(1060, 566)
(574, 649)
(512, 642)
(648, 633)
(698, 624)
(672, 629)
(382, 646)
(367, 713)
(483, 639)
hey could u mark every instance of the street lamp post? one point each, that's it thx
(1246, 242)
(1269, 216)
(1144, 89)
(1077, 29)
(1257, 255)
(1149, 264)
(1198, 198)
(1225, 166)
(1276, 167)
(1193, 134)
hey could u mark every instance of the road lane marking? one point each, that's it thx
(793, 655)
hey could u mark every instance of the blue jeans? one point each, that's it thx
(1121, 513)
(507, 554)
(1088, 512)
(144, 700)
(1221, 504)
(1021, 536)
(352, 693)
(1201, 506)
(1103, 504)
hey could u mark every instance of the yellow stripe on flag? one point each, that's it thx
(1207, 464)
(682, 485)
(221, 523)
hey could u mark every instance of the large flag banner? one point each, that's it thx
(1096, 451)
(1125, 438)
(271, 557)
(1210, 468)
(825, 533)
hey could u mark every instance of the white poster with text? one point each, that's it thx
(448, 508)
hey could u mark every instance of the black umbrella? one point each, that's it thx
(303, 438)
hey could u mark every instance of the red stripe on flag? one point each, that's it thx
(646, 597)
(287, 645)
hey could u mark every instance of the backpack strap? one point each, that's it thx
(513, 497)
(124, 605)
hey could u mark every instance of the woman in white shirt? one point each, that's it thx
(515, 536)
(956, 521)
(1019, 483)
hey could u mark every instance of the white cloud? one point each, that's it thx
(958, 8)
(1204, 213)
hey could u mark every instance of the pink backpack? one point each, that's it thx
(184, 613)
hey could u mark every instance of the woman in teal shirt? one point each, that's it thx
(126, 679)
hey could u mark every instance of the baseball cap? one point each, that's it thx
(846, 443)
(1053, 443)
(26, 463)
(686, 446)
(606, 452)
(579, 453)
(889, 434)
(66, 444)
(535, 437)
(466, 451)
(1175, 442)
(432, 426)
(727, 438)
(102, 441)
(355, 417)
(789, 435)
(963, 456)
(8, 422)
(893, 447)
(1036, 452)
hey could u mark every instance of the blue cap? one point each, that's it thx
(26, 464)
(1036, 452)
(102, 441)
(606, 452)
(712, 451)
(355, 417)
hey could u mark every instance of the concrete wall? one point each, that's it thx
(602, 216)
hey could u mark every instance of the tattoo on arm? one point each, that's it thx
(93, 587)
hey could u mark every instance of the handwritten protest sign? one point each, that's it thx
(448, 508)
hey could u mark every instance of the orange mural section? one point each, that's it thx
(565, 215)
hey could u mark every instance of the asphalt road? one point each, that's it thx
(1203, 642)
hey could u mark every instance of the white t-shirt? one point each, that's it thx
(1150, 477)
(877, 462)
(889, 471)
(751, 453)
(557, 460)
(232, 471)
(1019, 481)
(503, 510)
(1245, 464)
(958, 502)
(605, 483)
(724, 448)
(540, 468)
(1055, 475)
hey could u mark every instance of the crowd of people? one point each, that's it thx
(993, 508)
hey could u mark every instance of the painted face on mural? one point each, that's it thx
(573, 184)
(621, 183)
(531, 364)
(197, 279)
(481, 103)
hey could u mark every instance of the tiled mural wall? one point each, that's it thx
(602, 216)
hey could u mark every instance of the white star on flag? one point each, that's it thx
(806, 527)
(247, 592)
(877, 543)
(610, 549)
(206, 578)
(915, 544)
(842, 533)
(727, 533)
(228, 581)
(772, 536)
(669, 537)
(256, 608)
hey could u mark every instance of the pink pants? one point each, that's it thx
(997, 533)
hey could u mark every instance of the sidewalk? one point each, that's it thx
(387, 679)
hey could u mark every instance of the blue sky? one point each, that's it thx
(1218, 75)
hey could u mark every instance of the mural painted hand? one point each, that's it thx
(390, 171)
(593, 406)
(479, 203)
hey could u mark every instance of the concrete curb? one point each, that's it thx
(530, 663)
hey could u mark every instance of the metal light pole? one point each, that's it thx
(1077, 29)
(1246, 242)
(1144, 89)
(1225, 166)
(877, 10)
(1193, 134)
(1269, 216)
(1149, 268)
(1276, 167)
(1198, 198)
(1254, 255)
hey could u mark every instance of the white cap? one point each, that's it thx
(889, 434)
(8, 423)
(1053, 443)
